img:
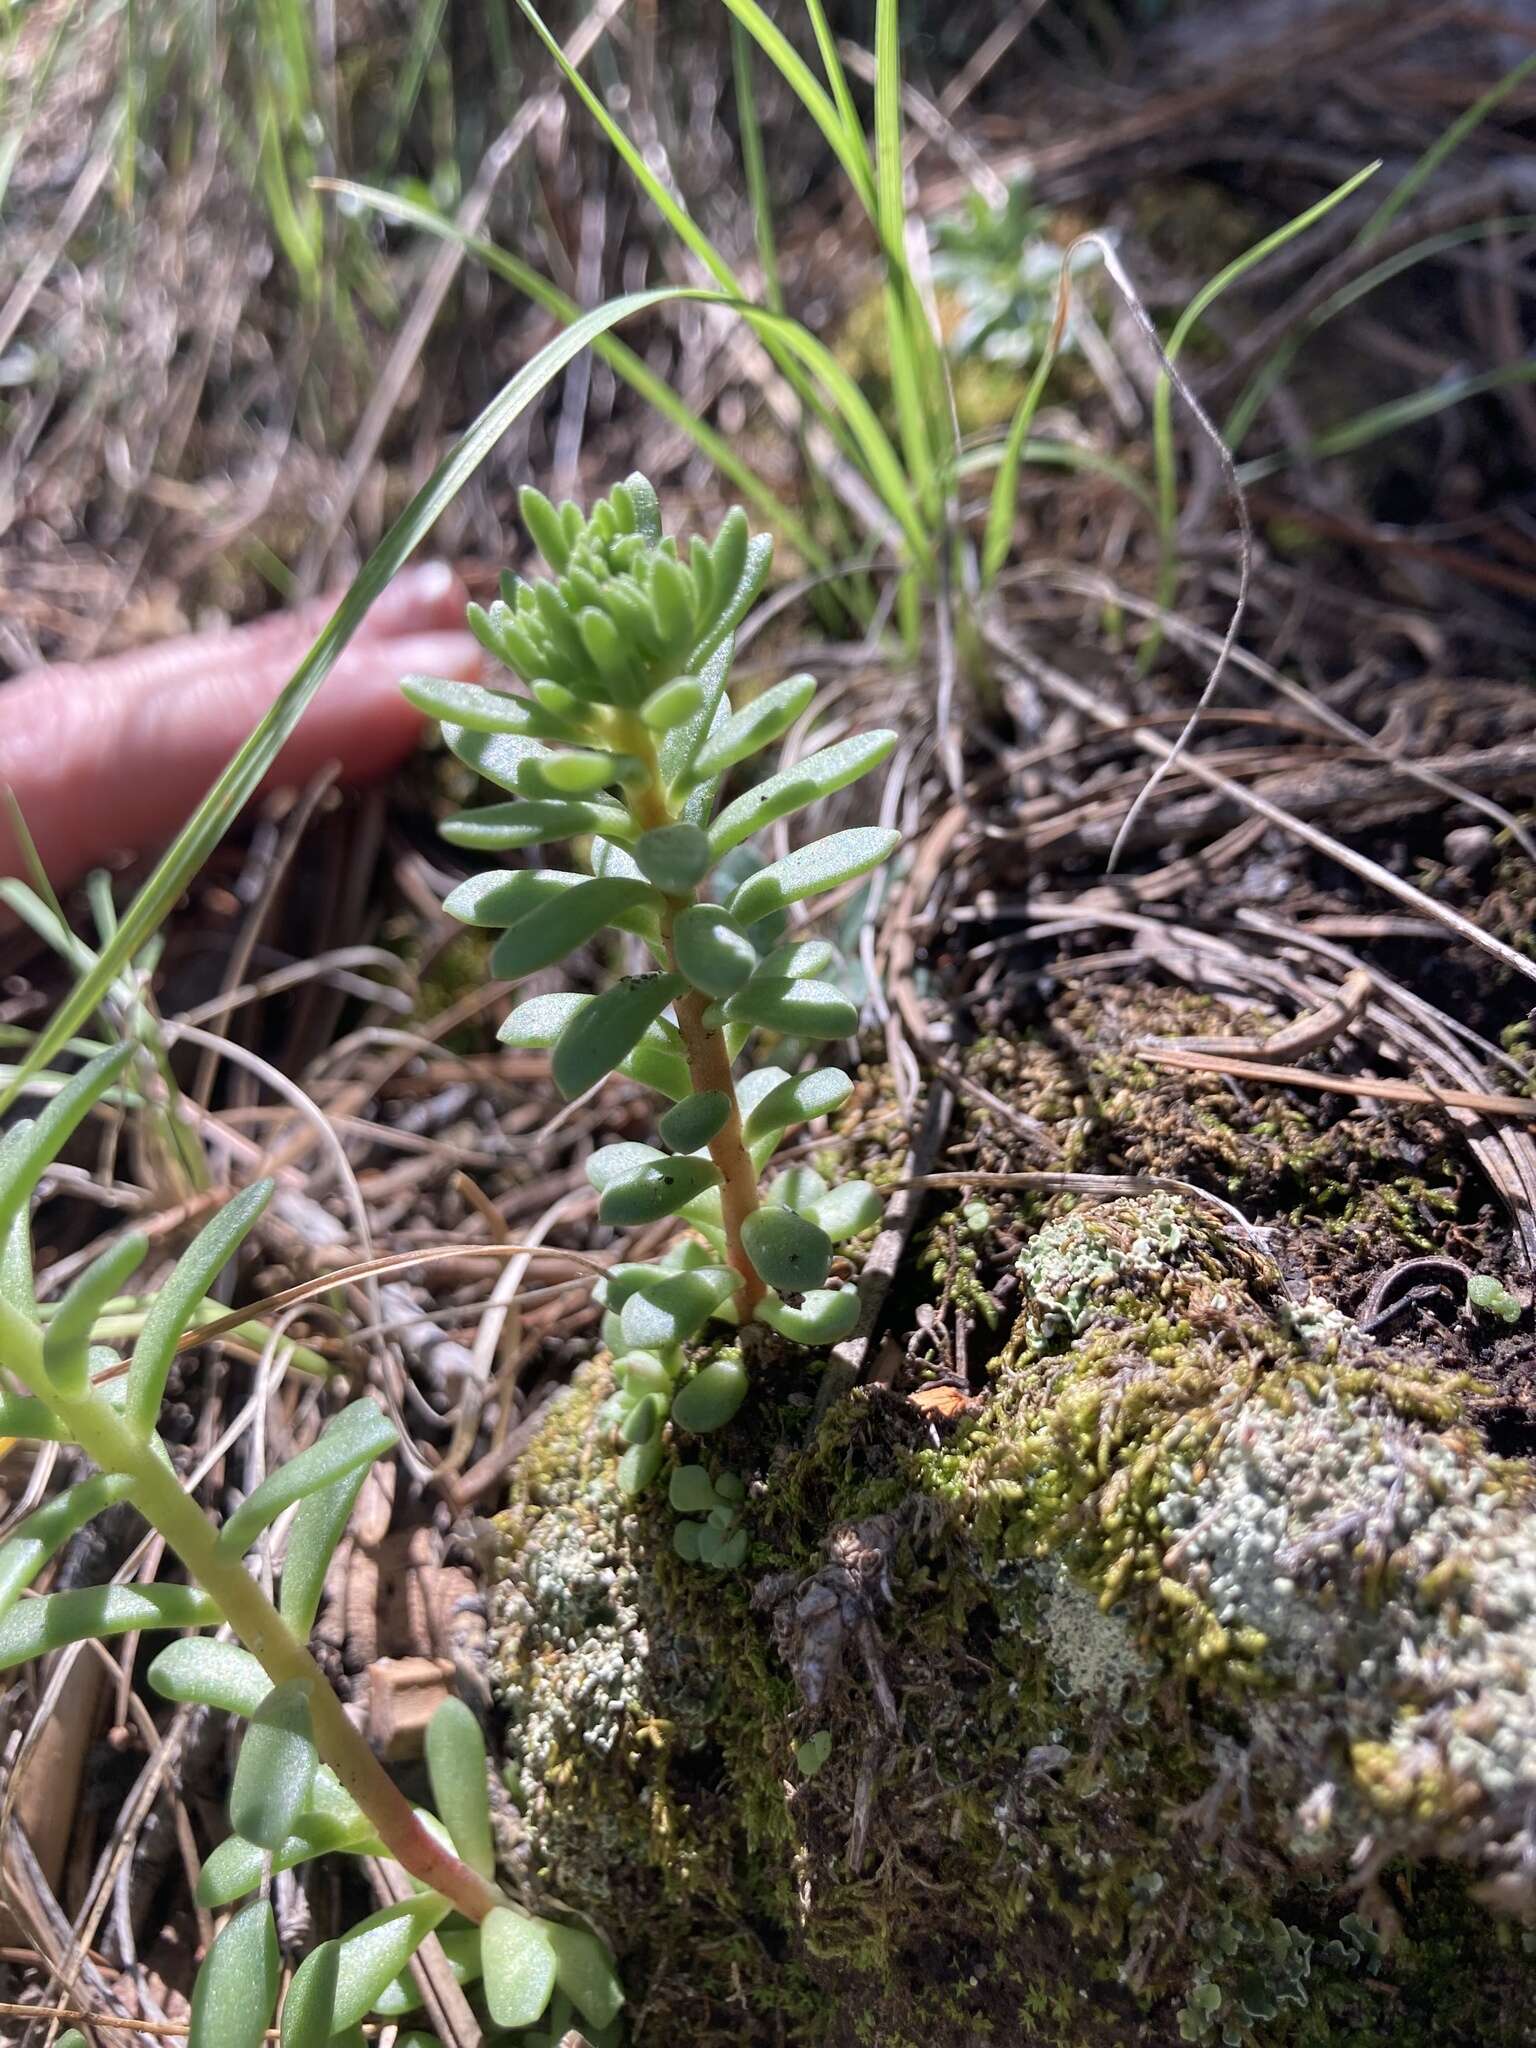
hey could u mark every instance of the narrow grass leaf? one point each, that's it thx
(239, 780)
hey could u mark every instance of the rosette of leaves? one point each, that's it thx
(621, 740)
(305, 1781)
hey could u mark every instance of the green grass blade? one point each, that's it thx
(876, 455)
(755, 165)
(904, 313)
(1273, 369)
(1005, 489)
(1162, 397)
(1451, 138)
(837, 78)
(621, 359)
(1386, 419)
(851, 154)
(238, 783)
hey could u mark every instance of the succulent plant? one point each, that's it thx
(620, 741)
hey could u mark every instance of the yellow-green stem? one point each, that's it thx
(158, 1496)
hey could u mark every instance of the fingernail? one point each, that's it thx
(411, 598)
(436, 654)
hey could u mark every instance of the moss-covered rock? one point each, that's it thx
(1180, 1686)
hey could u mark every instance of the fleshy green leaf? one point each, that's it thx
(545, 528)
(519, 1965)
(496, 755)
(358, 1435)
(639, 1466)
(659, 1188)
(67, 1339)
(315, 1531)
(672, 703)
(581, 771)
(310, 2007)
(236, 1991)
(692, 1123)
(275, 1768)
(379, 1948)
(656, 1062)
(713, 950)
(214, 1674)
(172, 1311)
(531, 821)
(797, 1008)
(852, 1206)
(42, 1535)
(809, 870)
(456, 1765)
(32, 1421)
(29, 1148)
(643, 1423)
(604, 1032)
(675, 857)
(799, 1188)
(236, 1866)
(791, 789)
(724, 1552)
(610, 1164)
(584, 1972)
(789, 1252)
(691, 1490)
(711, 1397)
(554, 929)
(799, 959)
(478, 709)
(774, 712)
(504, 896)
(826, 1316)
(797, 1101)
(676, 1308)
(35, 1627)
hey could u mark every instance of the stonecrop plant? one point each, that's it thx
(621, 744)
(306, 1782)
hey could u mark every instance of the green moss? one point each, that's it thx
(1181, 1690)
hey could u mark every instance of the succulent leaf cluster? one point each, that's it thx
(621, 740)
(287, 1803)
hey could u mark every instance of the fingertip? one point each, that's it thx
(426, 597)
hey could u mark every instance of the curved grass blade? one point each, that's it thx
(239, 780)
